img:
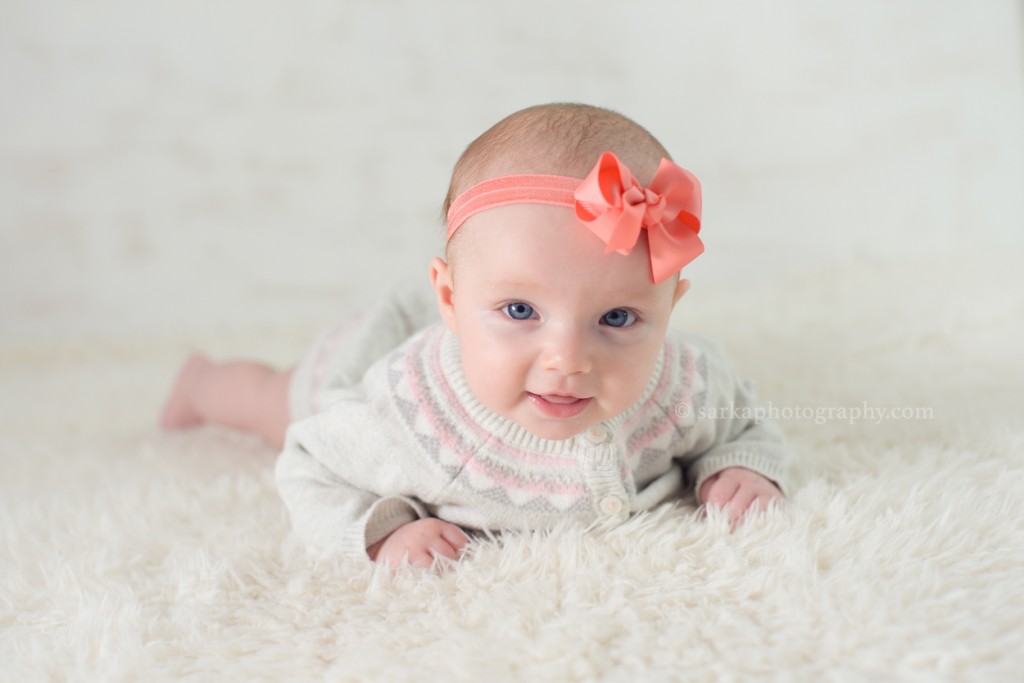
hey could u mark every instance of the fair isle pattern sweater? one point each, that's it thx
(410, 440)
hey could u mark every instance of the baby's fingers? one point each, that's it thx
(446, 544)
(766, 499)
(455, 537)
(425, 555)
(736, 500)
(741, 502)
(757, 503)
(721, 492)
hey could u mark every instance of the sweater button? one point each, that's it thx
(612, 505)
(597, 434)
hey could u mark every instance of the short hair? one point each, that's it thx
(557, 139)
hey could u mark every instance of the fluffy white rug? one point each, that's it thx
(128, 554)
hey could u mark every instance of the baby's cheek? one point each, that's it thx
(624, 392)
(627, 384)
(491, 380)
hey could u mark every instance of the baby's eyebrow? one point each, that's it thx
(641, 303)
(513, 283)
(646, 296)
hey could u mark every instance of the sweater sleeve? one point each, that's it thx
(331, 515)
(731, 428)
(349, 476)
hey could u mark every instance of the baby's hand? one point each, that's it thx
(418, 543)
(738, 490)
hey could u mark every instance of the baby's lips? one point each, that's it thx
(560, 399)
(560, 406)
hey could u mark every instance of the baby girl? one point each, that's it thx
(548, 388)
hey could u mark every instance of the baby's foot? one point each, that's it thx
(180, 411)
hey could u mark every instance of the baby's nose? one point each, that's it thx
(568, 353)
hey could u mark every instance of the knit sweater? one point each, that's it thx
(410, 440)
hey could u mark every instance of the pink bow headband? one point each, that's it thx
(612, 204)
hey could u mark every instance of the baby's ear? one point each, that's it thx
(441, 280)
(681, 289)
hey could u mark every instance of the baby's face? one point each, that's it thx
(555, 334)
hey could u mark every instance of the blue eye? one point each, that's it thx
(618, 317)
(519, 311)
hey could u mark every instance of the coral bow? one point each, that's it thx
(615, 207)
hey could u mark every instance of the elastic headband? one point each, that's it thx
(612, 204)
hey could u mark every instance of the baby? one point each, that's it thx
(548, 388)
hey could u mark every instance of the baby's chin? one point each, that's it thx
(558, 430)
(539, 421)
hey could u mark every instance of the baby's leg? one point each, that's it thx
(239, 394)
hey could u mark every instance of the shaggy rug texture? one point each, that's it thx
(131, 554)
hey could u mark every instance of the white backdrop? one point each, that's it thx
(175, 165)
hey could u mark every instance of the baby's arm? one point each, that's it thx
(738, 490)
(419, 543)
(347, 491)
(743, 457)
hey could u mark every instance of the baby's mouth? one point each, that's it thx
(559, 406)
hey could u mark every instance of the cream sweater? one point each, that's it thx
(409, 440)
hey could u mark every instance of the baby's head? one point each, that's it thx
(555, 139)
(560, 311)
